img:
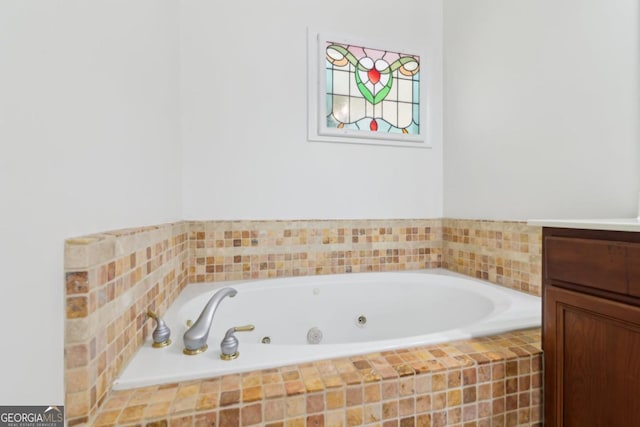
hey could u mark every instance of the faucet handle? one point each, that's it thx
(229, 344)
(162, 332)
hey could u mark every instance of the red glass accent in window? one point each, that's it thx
(373, 125)
(374, 75)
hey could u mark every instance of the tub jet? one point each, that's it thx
(314, 336)
(361, 321)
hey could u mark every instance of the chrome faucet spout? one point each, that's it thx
(195, 338)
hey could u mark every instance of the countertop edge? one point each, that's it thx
(614, 224)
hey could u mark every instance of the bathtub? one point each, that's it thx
(349, 314)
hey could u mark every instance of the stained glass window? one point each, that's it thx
(372, 90)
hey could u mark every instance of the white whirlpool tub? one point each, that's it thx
(356, 314)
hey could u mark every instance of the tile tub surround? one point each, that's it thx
(113, 277)
(491, 381)
(507, 253)
(233, 250)
(111, 280)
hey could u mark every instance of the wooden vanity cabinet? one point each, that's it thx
(591, 327)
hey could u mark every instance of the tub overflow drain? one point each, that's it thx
(266, 340)
(361, 321)
(314, 336)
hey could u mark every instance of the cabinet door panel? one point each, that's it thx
(592, 361)
(598, 264)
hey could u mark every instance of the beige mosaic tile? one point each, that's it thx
(233, 250)
(507, 253)
(113, 278)
(108, 293)
(501, 388)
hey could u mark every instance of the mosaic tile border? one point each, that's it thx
(507, 253)
(234, 250)
(112, 278)
(489, 381)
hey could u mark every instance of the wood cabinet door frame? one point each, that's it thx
(560, 303)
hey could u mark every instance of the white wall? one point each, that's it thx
(244, 114)
(88, 142)
(541, 108)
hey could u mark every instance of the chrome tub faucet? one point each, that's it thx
(195, 338)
